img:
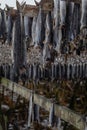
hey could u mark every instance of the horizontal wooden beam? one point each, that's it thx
(20, 90)
(75, 1)
(32, 11)
(69, 116)
(63, 112)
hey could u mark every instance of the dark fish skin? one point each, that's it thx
(69, 21)
(46, 53)
(0, 23)
(27, 26)
(34, 30)
(76, 20)
(36, 112)
(63, 12)
(84, 14)
(56, 21)
(3, 26)
(35, 71)
(19, 47)
(51, 115)
(40, 29)
(48, 28)
(28, 30)
(66, 17)
(9, 29)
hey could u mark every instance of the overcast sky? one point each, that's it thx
(13, 2)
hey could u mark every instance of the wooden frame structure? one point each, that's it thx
(62, 112)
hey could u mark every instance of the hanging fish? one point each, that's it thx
(65, 76)
(48, 28)
(68, 71)
(28, 29)
(63, 12)
(12, 72)
(0, 22)
(34, 30)
(31, 71)
(53, 71)
(76, 20)
(63, 70)
(51, 115)
(4, 69)
(59, 124)
(69, 21)
(84, 14)
(76, 70)
(37, 3)
(7, 71)
(26, 25)
(36, 113)
(80, 70)
(0, 71)
(19, 47)
(42, 73)
(35, 71)
(73, 71)
(86, 71)
(83, 70)
(3, 25)
(9, 29)
(56, 23)
(40, 29)
(60, 75)
(30, 110)
(46, 53)
(56, 71)
(5, 21)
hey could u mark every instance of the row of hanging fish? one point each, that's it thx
(63, 22)
(55, 71)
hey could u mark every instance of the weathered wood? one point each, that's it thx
(60, 111)
(31, 10)
(47, 5)
(69, 116)
(75, 1)
(42, 102)
(20, 90)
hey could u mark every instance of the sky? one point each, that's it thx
(12, 3)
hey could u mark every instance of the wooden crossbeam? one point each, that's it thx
(32, 10)
(75, 1)
(63, 112)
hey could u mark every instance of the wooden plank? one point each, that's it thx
(48, 6)
(30, 10)
(75, 1)
(63, 112)
(20, 90)
(42, 102)
(69, 116)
